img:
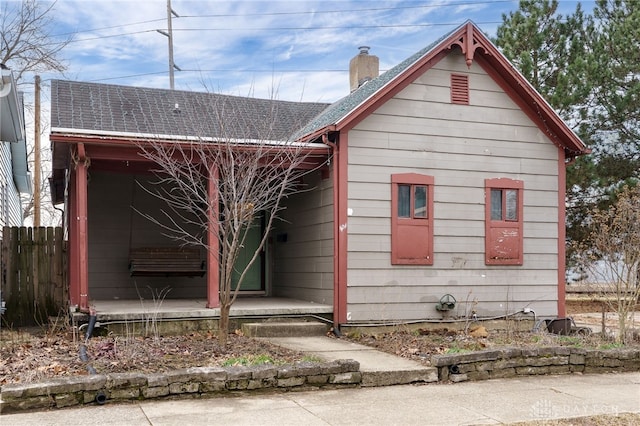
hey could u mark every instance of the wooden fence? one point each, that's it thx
(34, 275)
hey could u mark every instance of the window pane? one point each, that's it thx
(496, 204)
(404, 200)
(512, 204)
(420, 207)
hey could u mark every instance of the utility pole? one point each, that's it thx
(169, 35)
(36, 157)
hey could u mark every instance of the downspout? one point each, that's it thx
(562, 231)
(101, 397)
(565, 159)
(336, 232)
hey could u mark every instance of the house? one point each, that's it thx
(14, 172)
(443, 194)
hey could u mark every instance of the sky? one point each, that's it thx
(288, 50)
(294, 50)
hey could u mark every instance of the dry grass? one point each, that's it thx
(34, 354)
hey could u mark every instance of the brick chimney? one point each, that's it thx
(362, 68)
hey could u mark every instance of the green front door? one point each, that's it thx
(253, 280)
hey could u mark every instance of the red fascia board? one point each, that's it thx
(318, 133)
(402, 80)
(103, 148)
(495, 64)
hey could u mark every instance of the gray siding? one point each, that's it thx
(114, 228)
(303, 264)
(420, 131)
(10, 205)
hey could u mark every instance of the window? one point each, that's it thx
(412, 201)
(503, 222)
(504, 204)
(411, 219)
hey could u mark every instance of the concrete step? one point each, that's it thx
(285, 329)
(398, 376)
(377, 368)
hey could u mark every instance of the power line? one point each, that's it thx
(182, 19)
(313, 12)
(337, 27)
(128, 76)
(111, 27)
(369, 9)
(110, 36)
(222, 70)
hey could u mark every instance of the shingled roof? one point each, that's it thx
(113, 109)
(121, 109)
(468, 37)
(339, 109)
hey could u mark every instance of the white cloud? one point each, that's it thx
(252, 46)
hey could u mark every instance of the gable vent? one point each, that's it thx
(460, 89)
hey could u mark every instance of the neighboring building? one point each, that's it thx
(445, 177)
(14, 172)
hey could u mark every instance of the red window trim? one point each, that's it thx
(516, 226)
(396, 222)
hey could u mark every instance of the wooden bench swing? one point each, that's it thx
(163, 261)
(166, 262)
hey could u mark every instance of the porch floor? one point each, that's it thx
(196, 308)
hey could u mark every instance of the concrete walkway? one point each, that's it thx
(491, 402)
(377, 368)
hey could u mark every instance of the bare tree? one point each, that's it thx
(27, 46)
(611, 258)
(25, 42)
(222, 185)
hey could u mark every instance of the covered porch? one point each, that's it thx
(106, 182)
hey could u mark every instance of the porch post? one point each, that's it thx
(213, 257)
(340, 217)
(74, 271)
(80, 239)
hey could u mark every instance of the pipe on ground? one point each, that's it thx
(92, 323)
(101, 397)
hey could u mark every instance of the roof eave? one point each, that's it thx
(78, 135)
(469, 39)
(12, 129)
(554, 123)
(403, 79)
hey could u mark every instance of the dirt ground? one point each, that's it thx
(37, 354)
(32, 355)
(420, 343)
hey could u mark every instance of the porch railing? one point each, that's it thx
(34, 275)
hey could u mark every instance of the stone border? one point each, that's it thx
(512, 362)
(203, 381)
(101, 388)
